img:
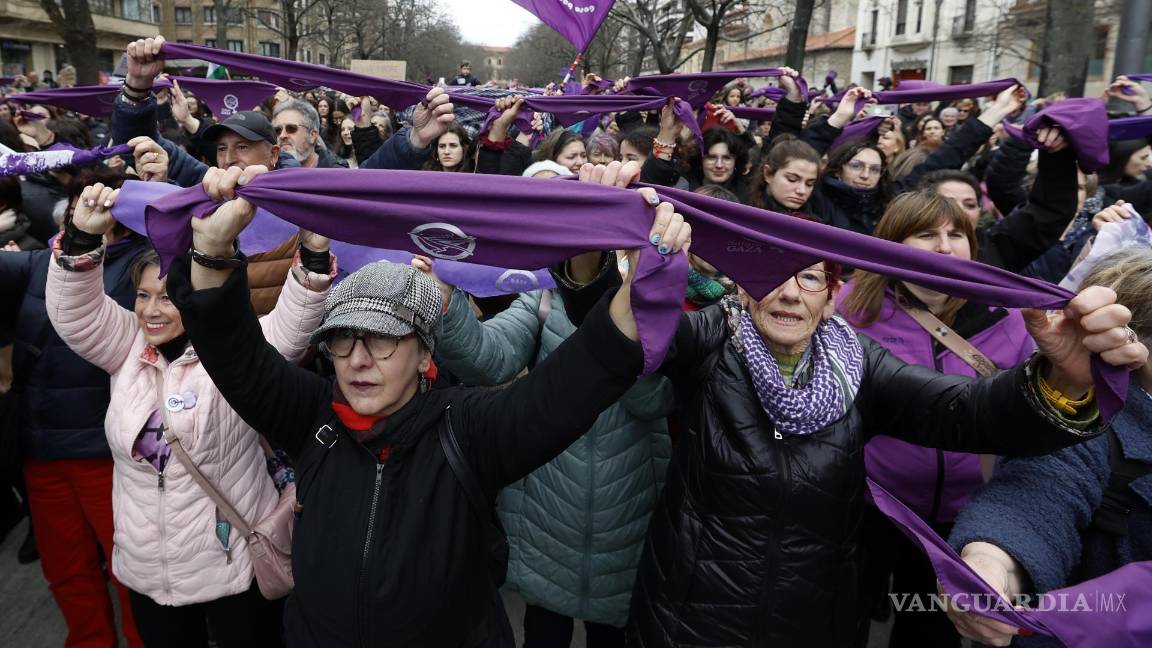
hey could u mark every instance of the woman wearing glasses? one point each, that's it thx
(755, 541)
(933, 482)
(188, 572)
(849, 194)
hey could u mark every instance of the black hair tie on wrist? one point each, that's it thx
(316, 262)
(76, 241)
(143, 91)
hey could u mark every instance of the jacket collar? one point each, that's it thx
(1134, 424)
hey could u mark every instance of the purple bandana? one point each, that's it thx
(226, 97)
(94, 100)
(698, 88)
(268, 232)
(1083, 121)
(481, 218)
(836, 368)
(576, 20)
(1085, 623)
(755, 114)
(55, 157)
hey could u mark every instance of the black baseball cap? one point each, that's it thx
(252, 125)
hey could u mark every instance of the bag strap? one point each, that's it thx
(463, 471)
(230, 513)
(964, 350)
(952, 340)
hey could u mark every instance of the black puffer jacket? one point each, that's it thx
(62, 397)
(754, 542)
(838, 204)
(390, 552)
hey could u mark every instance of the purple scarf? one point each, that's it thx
(268, 232)
(576, 20)
(1083, 624)
(699, 88)
(1083, 121)
(921, 91)
(755, 114)
(833, 369)
(1127, 128)
(225, 97)
(55, 157)
(481, 218)
(94, 100)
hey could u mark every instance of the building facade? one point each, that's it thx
(29, 43)
(968, 41)
(253, 26)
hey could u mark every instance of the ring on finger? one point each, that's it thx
(1130, 336)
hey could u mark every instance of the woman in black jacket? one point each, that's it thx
(755, 540)
(394, 532)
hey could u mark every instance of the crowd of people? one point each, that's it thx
(431, 447)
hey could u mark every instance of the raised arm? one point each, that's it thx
(410, 148)
(90, 322)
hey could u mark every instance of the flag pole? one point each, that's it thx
(572, 68)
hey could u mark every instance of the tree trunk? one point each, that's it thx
(711, 39)
(221, 9)
(798, 34)
(1066, 47)
(72, 20)
(641, 52)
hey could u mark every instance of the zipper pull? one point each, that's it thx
(228, 553)
(160, 481)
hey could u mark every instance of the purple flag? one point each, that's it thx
(480, 218)
(1084, 616)
(267, 232)
(1085, 124)
(227, 97)
(55, 157)
(698, 88)
(576, 20)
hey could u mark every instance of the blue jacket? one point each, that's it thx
(576, 526)
(1039, 509)
(62, 398)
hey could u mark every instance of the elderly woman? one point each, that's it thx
(1051, 521)
(394, 541)
(755, 541)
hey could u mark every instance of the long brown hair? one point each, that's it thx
(777, 157)
(907, 215)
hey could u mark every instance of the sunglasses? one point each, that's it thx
(291, 128)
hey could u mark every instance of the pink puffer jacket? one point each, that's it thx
(165, 527)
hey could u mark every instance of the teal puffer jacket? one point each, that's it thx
(576, 526)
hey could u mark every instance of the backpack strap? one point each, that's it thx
(1112, 514)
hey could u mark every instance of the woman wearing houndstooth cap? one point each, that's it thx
(395, 540)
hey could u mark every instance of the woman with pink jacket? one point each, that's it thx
(188, 571)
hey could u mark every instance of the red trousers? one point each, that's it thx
(71, 504)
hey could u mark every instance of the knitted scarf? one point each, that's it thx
(702, 289)
(825, 382)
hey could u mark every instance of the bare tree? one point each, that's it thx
(291, 23)
(1065, 50)
(72, 20)
(720, 17)
(664, 26)
(798, 33)
(540, 56)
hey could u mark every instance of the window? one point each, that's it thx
(919, 16)
(901, 17)
(235, 15)
(307, 56)
(1099, 53)
(157, 14)
(969, 15)
(209, 42)
(500, 62)
(268, 18)
(323, 60)
(184, 41)
(958, 74)
(875, 25)
(236, 45)
(269, 49)
(209, 15)
(183, 15)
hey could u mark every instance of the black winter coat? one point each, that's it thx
(755, 539)
(62, 397)
(390, 553)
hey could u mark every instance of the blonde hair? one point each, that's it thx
(1128, 271)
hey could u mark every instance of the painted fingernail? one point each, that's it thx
(663, 249)
(655, 239)
(107, 203)
(243, 179)
(654, 200)
(90, 203)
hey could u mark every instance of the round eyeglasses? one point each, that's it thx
(813, 281)
(341, 342)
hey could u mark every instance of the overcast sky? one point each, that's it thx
(489, 22)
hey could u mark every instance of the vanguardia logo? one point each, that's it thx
(984, 603)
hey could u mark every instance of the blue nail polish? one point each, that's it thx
(663, 249)
(654, 200)
(655, 239)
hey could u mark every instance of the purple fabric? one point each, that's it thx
(267, 232)
(576, 20)
(858, 129)
(756, 114)
(698, 88)
(55, 157)
(1082, 621)
(28, 115)
(1083, 121)
(227, 97)
(917, 84)
(1126, 128)
(94, 100)
(6, 81)
(150, 444)
(918, 91)
(482, 218)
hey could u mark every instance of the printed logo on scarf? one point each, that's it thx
(230, 104)
(443, 241)
(517, 281)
